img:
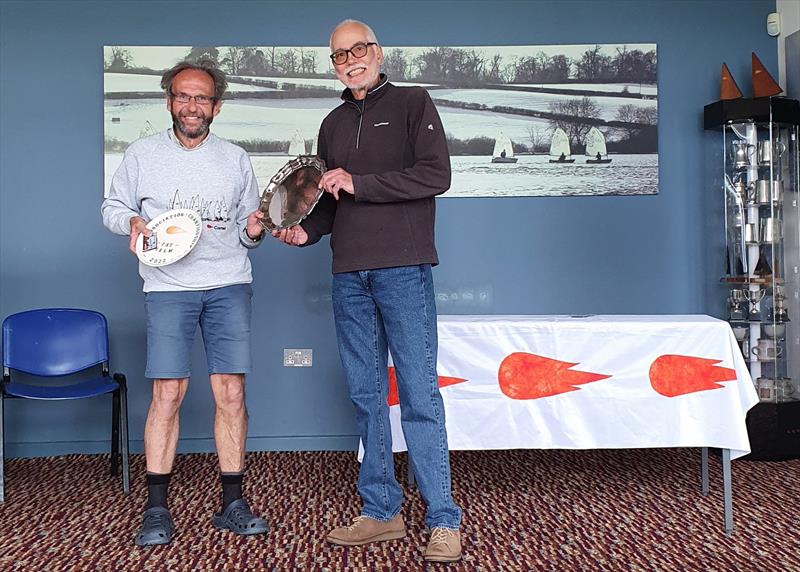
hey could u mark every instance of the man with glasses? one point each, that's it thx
(387, 158)
(189, 167)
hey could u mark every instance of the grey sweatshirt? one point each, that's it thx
(215, 179)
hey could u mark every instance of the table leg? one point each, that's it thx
(704, 470)
(727, 490)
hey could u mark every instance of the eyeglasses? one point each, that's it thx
(358, 50)
(198, 99)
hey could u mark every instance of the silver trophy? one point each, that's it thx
(779, 307)
(292, 193)
(767, 350)
(742, 153)
(771, 229)
(741, 333)
(768, 191)
(767, 152)
(754, 297)
(736, 309)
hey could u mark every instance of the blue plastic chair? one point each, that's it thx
(61, 342)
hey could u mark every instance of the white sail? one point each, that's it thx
(147, 130)
(298, 145)
(595, 143)
(502, 146)
(559, 144)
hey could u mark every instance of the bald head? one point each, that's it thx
(354, 24)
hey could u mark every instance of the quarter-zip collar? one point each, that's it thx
(373, 94)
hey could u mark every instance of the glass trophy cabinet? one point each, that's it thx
(758, 183)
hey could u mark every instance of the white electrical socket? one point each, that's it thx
(298, 358)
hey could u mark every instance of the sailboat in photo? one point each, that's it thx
(559, 147)
(297, 146)
(596, 147)
(503, 150)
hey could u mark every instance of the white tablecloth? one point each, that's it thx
(637, 381)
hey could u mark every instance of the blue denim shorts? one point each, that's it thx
(172, 319)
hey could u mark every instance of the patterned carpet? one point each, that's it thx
(524, 510)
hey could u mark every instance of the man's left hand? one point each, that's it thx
(336, 180)
(254, 228)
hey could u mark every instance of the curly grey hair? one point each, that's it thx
(204, 65)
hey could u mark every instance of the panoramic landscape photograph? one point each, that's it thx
(566, 120)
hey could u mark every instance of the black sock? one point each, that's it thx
(157, 489)
(231, 488)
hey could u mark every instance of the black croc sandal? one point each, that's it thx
(157, 527)
(239, 519)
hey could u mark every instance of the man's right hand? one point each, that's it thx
(294, 235)
(138, 226)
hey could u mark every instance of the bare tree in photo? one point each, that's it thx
(538, 138)
(572, 114)
(287, 61)
(495, 73)
(254, 62)
(637, 117)
(270, 56)
(119, 60)
(395, 64)
(310, 62)
(198, 53)
(233, 59)
(593, 65)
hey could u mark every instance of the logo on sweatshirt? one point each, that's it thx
(215, 212)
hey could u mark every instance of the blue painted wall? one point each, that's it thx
(651, 254)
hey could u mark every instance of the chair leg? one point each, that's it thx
(2, 449)
(114, 432)
(123, 433)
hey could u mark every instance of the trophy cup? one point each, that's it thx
(767, 152)
(750, 234)
(765, 388)
(768, 191)
(775, 389)
(736, 309)
(742, 191)
(767, 350)
(784, 388)
(777, 329)
(740, 333)
(771, 229)
(742, 153)
(754, 297)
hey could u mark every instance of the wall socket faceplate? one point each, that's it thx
(298, 358)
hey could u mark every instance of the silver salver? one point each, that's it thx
(292, 193)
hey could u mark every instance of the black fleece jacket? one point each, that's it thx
(396, 151)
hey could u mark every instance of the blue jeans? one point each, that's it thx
(394, 308)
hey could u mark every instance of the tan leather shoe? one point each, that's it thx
(444, 545)
(365, 530)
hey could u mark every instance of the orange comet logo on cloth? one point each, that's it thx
(394, 395)
(175, 230)
(673, 375)
(528, 376)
